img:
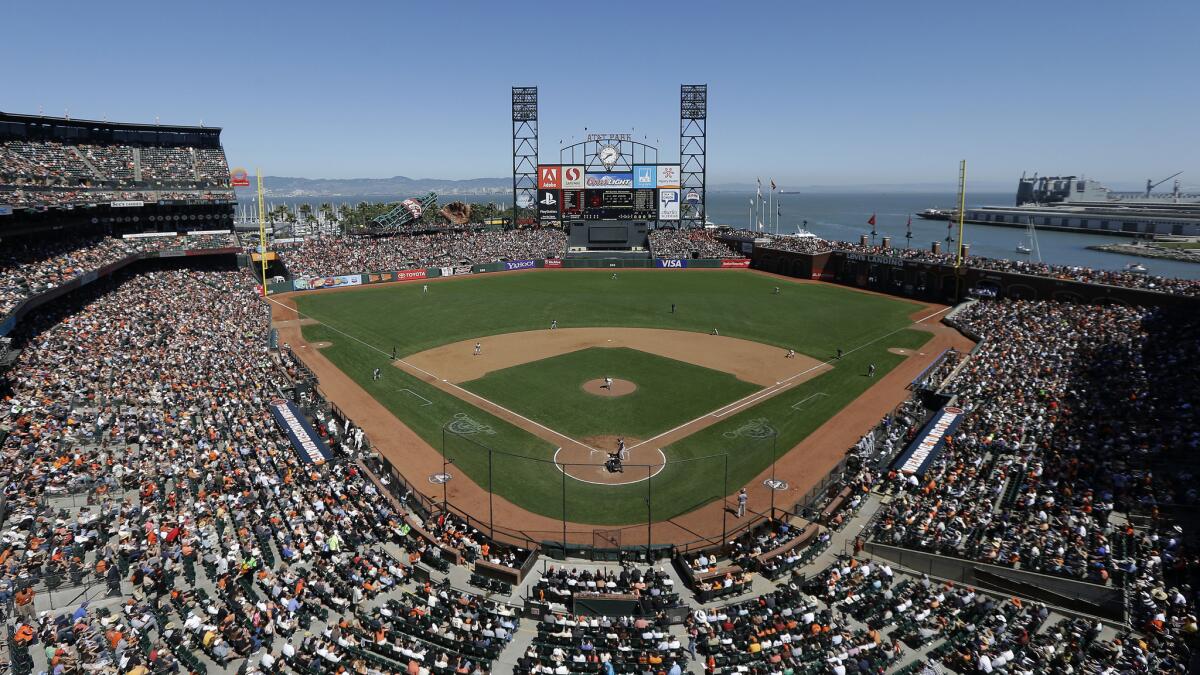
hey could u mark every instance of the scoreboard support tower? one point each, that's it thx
(525, 149)
(693, 152)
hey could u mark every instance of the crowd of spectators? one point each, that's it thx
(41, 174)
(1070, 410)
(33, 265)
(346, 254)
(688, 243)
(1121, 278)
(228, 545)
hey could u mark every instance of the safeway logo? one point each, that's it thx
(550, 177)
(572, 178)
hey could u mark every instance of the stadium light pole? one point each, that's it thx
(724, 495)
(445, 479)
(491, 512)
(649, 509)
(774, 438)
(564, 511)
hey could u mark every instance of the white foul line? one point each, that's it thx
(436, 378)
(776, 388)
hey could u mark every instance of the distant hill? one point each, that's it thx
(287, 186)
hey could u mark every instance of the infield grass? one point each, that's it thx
(669, 392)
(365, 324)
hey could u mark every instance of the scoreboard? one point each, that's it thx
(569, 192)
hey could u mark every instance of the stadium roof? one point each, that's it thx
(44, 120)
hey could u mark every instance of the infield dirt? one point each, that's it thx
(803, 466)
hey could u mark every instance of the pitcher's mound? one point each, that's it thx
(619, 387)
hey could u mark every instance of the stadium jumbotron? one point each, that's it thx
(587, 432)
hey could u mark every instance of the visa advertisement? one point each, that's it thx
(669, 264)
(609, 181)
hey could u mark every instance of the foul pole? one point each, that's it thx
(262, 232)
(962, 205)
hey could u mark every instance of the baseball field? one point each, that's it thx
(701, 414)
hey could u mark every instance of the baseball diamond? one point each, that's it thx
(703, 400)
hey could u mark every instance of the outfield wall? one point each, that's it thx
(421, 274)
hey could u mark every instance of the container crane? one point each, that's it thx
(1150, 184)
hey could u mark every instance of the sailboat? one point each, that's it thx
(1031, 238)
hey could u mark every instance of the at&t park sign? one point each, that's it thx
(610, 137)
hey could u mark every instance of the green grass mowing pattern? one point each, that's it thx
(669, 392)
(813, 319)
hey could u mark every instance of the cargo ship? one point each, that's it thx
(1074, 204)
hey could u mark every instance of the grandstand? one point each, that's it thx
(180, 495)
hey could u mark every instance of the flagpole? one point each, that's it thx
(771, 206)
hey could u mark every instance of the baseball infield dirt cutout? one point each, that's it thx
(617, 388)
(639, 462)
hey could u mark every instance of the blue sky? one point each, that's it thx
(809, 93)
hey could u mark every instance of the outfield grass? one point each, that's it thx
(365, 324)
(669, 392)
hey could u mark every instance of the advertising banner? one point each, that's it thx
(125, 204)
(410, 275)
(327, 282)
(239, 177)
(929, 443)
(572, 203)
(735, 262)
(553, 262)
(446, 271)
(645, 177)
(668, 176)
(547, 204)
(668, 204)
(550, 177)
(692, 197)
(308, 445)
(606, 181)
(379, 278)
(5, 210)
(669, 264)
(572, 178)
(511, 265)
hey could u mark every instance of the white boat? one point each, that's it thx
(1136, 268)
(1031, 244)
